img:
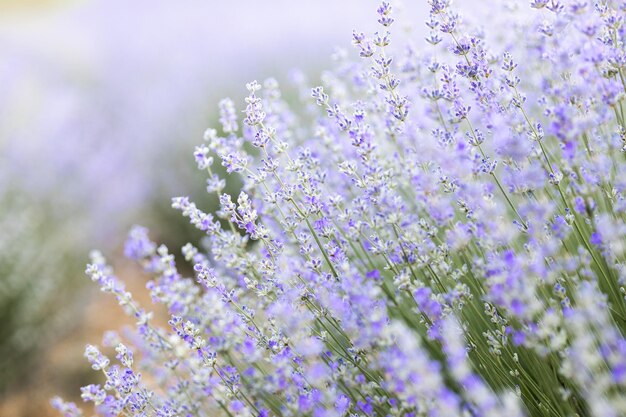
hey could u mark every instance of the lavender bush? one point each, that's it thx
(97, 115)
(438, 232)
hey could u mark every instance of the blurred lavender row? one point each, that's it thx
(96, 96)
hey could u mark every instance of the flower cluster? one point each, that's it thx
(431, 234)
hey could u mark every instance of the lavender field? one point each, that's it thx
(429, 220)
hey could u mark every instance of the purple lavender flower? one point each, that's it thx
(407, 241)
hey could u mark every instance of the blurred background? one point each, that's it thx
(101, 104)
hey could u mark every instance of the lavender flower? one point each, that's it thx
(436, 235)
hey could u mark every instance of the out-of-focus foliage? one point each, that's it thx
(36, 280)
